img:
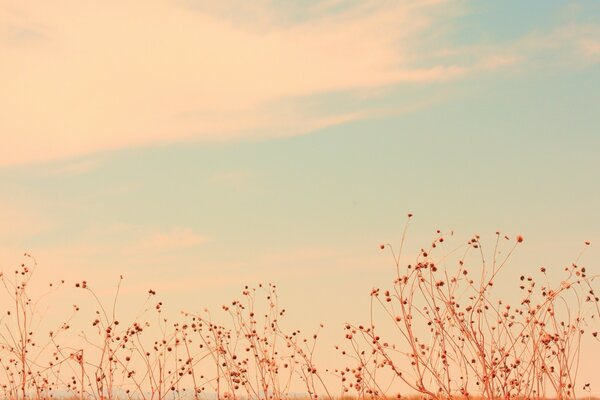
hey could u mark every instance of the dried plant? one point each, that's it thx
(254, 357)
(455, 337)
(440, 331)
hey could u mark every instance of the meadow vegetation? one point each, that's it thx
(439, 331)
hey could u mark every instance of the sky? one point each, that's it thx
(195, 147)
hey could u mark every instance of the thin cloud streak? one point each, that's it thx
(174, 239)
(76, 167)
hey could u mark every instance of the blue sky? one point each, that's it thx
(476, 117)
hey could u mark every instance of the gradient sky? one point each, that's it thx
(196, 147)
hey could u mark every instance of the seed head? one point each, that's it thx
(519, 239)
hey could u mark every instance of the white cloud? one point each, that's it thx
(76, 167)
(568, 46)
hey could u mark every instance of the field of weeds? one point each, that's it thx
(439, 331)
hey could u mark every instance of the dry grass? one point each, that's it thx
(439, 331)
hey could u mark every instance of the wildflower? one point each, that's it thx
(519, 239)
(546, 338)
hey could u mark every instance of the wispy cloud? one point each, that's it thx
(168, 72)
(89, 88)
(568, 46)
(104, 250)
(582, 41)
(75, 167)
(18, 29)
